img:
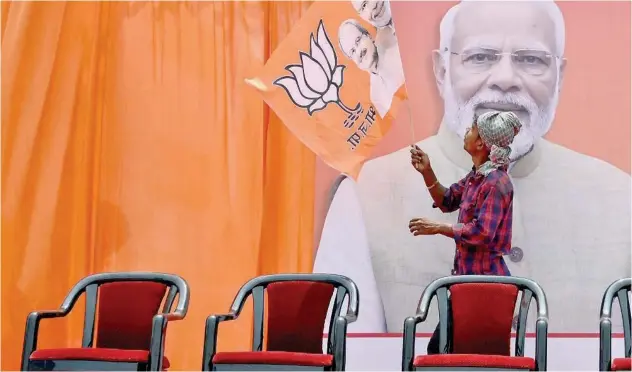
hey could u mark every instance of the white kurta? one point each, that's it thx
(571, 224)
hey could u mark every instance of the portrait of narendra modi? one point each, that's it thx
(490, 55)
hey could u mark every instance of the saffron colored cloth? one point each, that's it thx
(483, 230)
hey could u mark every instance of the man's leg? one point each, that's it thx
(433, 343)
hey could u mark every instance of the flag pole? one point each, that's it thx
(410, 117)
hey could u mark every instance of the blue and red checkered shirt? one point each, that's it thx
(483, 232)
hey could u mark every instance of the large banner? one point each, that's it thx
(563, 68)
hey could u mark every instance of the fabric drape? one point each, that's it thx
(130, 142)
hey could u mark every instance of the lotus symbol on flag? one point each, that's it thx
(317, 80)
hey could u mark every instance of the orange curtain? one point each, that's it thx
(130, 142)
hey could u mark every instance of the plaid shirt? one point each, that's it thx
(483, 232)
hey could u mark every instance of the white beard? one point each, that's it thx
(458, 115)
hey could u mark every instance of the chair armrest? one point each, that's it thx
(618, 289)
(157, 343)
(47, 314)
(159, 326)
(173, 316)
(408, 348)
(605, 343)
(350, 318)
(338, 344)
(30, 332)
(210, 337)
(225, 317)
(541, 337)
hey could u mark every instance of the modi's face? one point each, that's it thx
(503, 57)
(377, 13)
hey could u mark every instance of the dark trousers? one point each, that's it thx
(433, 344)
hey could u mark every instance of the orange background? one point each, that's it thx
(593, 116)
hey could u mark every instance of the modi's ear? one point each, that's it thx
(562, 73)
(439, 68)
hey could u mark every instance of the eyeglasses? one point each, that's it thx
(531, 61)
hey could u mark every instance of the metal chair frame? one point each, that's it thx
(90, 285)
(618, 289)
(336, 342)
(439, 288)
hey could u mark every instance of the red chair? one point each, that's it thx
(482, 314)
(130, 329)
(620, 290)
(296, 311)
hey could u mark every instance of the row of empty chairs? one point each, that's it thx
(125, 328)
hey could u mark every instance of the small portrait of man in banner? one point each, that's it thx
(377, 56)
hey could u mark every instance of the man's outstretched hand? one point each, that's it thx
(425, 226)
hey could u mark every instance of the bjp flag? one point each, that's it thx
(336, 81)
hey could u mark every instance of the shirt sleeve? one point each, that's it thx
(482, 229)
(452, 197)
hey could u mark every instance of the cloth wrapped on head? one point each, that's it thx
(497, 129)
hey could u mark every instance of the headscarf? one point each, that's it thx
(497, 130)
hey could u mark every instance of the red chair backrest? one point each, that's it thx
(125, 313)
(296, 316)
(482, 315)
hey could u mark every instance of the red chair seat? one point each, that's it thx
(475, 361)
(621, 364)
(96, 354)
(274, 357)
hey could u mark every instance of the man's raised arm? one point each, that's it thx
(446, 199)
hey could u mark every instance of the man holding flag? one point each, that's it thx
(484, 199)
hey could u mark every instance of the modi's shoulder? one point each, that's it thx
(566, 163)
(582, 197)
